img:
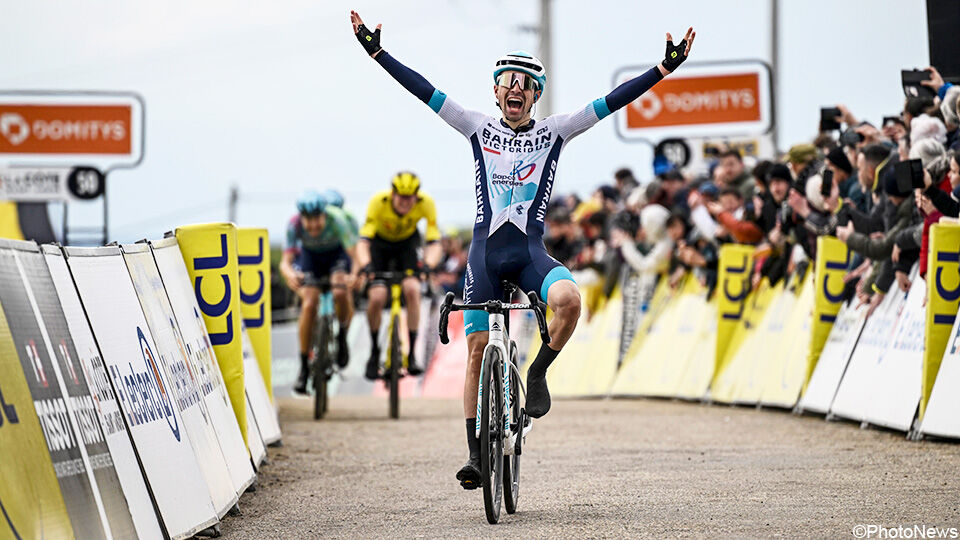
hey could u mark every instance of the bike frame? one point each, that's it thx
(396, 291)
(499, 338)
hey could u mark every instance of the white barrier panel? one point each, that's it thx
(173, 359)
(176, 281)
(897, 374)
(111, 419)
(833, 359)
(80, 458)
(858, 393)
(144, 391)
(941, 418)
(258, 452)
(257, 395)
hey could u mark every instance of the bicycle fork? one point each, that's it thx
(498, 338)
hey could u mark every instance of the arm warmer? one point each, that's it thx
(408, 78)
(631, 90)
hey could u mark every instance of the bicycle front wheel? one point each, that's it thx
(491, 433)
(321, 359)
(511, 463)
(393, 372)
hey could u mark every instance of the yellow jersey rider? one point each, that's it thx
(389, 242)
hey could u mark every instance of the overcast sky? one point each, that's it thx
(277, 97)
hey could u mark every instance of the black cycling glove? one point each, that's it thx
(675, 55)
(369, 40)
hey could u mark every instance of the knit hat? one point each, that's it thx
(801, 153)
(839, 160)
(779, 171)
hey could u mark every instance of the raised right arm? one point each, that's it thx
(464, 121)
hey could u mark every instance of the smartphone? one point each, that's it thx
(911, 78)
(909, 174)
(827, 185)
(828, 118)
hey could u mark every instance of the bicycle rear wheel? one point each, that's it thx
(491, 434)
(511, 463)
(393, 372)
(321, 360)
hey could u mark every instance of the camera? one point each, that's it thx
(849, 137)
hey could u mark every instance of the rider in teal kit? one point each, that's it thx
(515, 162)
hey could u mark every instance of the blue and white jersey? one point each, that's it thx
(514, 171)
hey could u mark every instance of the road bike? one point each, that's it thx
(395, 360)
(323, 353)
(502, 423)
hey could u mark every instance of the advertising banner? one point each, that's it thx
(718, 98)
(173, 359)
(941, 418)
(65, 419)
(823, 384)
(81, 402)
(266, 414)
(897, 373)
(147, 396)
(833, 258)
(30, 499)
(258, 452)
(210, 254)
(786, 364)
(943, 296)
(733, 286)
(125, 460)
(857, 393)
(57, 128)
(253, 247)
(167, 255)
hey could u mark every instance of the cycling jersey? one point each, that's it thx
(337, 233)
(514, 171)
(383, 222)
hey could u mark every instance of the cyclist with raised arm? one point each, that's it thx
(389, 242)
(515, 162)
(320, 242)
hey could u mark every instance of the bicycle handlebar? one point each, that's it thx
(494, 306)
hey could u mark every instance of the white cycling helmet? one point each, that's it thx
(524, 62)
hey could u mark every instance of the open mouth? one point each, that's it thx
(514, 105)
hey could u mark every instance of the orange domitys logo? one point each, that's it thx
(708, 99)
(65, 129)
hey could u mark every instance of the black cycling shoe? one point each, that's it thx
(412, 367)
(300, 387)
(538, 397)
(373, 366)
(469, 474)
(343, 355)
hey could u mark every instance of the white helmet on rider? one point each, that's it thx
(523, 62)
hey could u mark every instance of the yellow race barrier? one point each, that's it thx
(741, 349)
(733, 286)
(210, 254)
(833, 258)
(253, 247)
(784, 370)
(943, 295)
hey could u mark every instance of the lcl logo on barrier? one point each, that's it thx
(947, 294)
(256, 296)
(839, 268)
(223, 305)
(744, 288)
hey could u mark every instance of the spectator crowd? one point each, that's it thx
(844, 183)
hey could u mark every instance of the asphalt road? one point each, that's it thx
(597, 469)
